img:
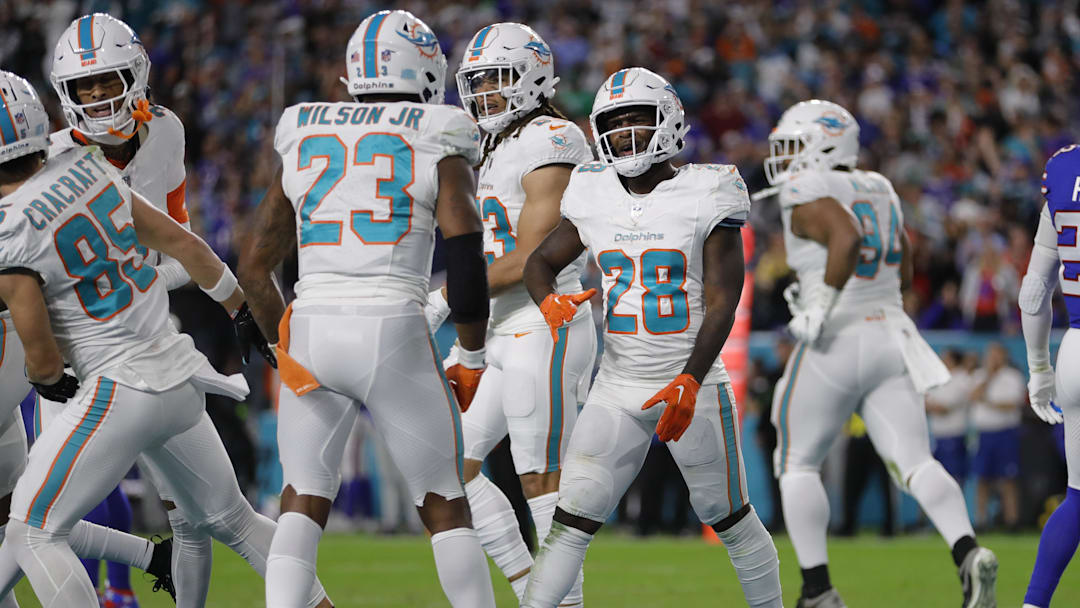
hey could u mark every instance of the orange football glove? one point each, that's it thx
(680, 395)
(560, 308)
(464, 382)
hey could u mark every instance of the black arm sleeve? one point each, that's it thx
(466, 278)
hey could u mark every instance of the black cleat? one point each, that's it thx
(160, 567)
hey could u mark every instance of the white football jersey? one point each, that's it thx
(870, 198)
(363, 180)
(71, 224)
(650, 249)
(156, 171)
(500, 198)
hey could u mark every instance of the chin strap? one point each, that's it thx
(141, 114)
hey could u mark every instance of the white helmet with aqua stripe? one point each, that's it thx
(395, 52)
(632, 88)
(24, 124)
(96, 45)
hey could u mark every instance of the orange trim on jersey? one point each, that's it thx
(176, 203)
(80, 138)
(293, 375)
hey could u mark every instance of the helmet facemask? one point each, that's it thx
(125, 107)
(477, 85)
(662, 142)
(790, 153)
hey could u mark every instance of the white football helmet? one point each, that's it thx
(24, 124)
(98, 44)
(812, 134)
(639, 87)
(518, 60)
(395, 52)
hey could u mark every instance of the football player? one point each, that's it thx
(1055, 246)
(858, 350)
(531, 386)
(667, 240)
(80, 291)
(100, 73)
(361, 189)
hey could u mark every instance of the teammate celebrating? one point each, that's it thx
(668, 243)
(858, 351)
(100, 73)
(361, 189)
(103, 95)
(80, 291)
(530, 388)
(1055, 243)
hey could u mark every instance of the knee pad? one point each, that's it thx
(586, 490)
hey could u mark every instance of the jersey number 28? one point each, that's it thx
(664, 303)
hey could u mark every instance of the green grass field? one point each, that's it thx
(623, 571)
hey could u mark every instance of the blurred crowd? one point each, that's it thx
(960, 103)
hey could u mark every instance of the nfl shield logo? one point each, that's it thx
(355, 57)
(386, 54)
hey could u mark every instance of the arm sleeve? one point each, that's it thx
(1036, 291)
(173, 272)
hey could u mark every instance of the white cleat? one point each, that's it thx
(978, 576)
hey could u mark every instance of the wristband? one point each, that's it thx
(471, 359)
(224, 288)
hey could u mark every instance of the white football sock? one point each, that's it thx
(557, 566)
(497, 527)
(941, 498)
(753, 554)
(56, 575)
(543, 510)
(192, 558)
(91, 541)
(806, 514)
(290, 568)
(251, 536)
(9, 569)
(463, 571)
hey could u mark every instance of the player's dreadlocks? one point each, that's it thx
(546, 108)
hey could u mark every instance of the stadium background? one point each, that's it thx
(959, 103)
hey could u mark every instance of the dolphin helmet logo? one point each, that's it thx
(832, 123)
(426, 42)
(541, 50)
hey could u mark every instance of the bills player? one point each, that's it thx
(361, 189)
(1055, 246)
(667, 240)
(531, 386)
(80, 291)
(858, 351)
(103, 95)
(100, 73)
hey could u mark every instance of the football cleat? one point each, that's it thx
(160, 567)
(829, 599)
(978, 576)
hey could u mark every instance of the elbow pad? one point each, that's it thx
(1033, 294)
(466, 278)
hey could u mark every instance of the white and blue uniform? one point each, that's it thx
(532, 386)
(650, 249)
(142, 382)
(1056, 239)
(870, 358)
(363, 180)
